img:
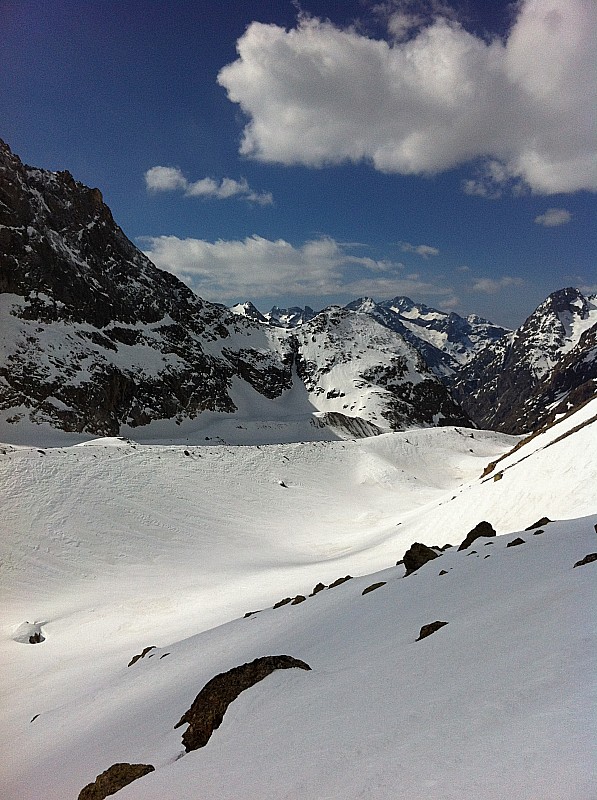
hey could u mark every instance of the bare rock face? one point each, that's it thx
(482, 529)
(417, 555)
(208, 709)
(113, 779)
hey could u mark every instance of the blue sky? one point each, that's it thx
(313, 154)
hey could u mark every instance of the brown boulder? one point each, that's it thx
(586, 560)
(373, 587)
(482, 529)
(208, 709)
(145, 651)
(113, 779)
(283, 602)
(539, 523)
(417, 555)
(338, 581)
(515, 542)
(432, 627)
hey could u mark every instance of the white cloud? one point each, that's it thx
(257, 267)
(164, 179)
(491, 286)
(168, 179)
(441, 97)
(553, 217)
(423, 250)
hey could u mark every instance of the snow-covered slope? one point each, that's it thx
(112, 547)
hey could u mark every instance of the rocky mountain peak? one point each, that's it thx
(529, 375)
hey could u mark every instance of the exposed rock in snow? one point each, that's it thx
(432, 627)
(210, 705)
(113, 779)
(586, 560)
(417, 555)
(484, 529)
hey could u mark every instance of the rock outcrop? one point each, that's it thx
(588, 559)
(417, 555)
(208, 709)
(432, 627)
(483, 529)
(113, 779)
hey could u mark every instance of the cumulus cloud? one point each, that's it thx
(429, 98)
(554, 217)
(257, 267)
(423, 250)
(168, 179)
(492, 286)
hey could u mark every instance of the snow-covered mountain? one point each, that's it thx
(540, 370)
(289, 317)
(96, 340)
(446, 340)
(350, 363)
(249, 311)
(131, 570)
(286, 318)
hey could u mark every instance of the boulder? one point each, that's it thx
(539, 523)
(208, 709)
(338, 581)
(283, 602)
(515, 542)
(417, 555)
(373, 587)
(144, 652)
(482, 529)
(318, 588)
(113, 779)
(432, 627)
(586, 560)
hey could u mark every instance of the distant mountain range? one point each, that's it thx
(505, 380)
(95, 339)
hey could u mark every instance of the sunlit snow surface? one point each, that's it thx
(114, 546)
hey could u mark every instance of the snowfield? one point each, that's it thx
(112, 546)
